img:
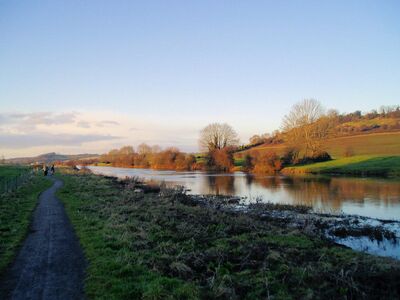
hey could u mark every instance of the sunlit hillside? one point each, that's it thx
(386, 143)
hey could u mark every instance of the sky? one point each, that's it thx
(88, 76)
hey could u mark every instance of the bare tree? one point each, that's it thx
(306, 126)
(126, 150)
(144, 149)
(303, 113)
(255, 139)
(155, 149)
(217, 136)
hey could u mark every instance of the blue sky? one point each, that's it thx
(168, 68)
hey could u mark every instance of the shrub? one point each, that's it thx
(266, 162)
(290, 156)
(318, 157)
(247, 163)
(220, 160)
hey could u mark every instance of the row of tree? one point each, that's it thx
(388, 111)
(304, 131)
(147, 156)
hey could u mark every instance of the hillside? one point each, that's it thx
(378, 124)
(49, 157)
(382, 143)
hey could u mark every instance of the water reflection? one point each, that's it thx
(378, 198)
(221, 185)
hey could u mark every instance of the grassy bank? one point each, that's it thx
(168, 246)
(9, 175)
(7, 171)
(15, 212)
(367, 165)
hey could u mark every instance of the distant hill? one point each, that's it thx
(48, 158)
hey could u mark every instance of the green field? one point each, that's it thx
(367, 165)
(7, 171)
(15, 211)
(375, 154)
(379, 144)
(11, 177)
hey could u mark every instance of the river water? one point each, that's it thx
(371, 197)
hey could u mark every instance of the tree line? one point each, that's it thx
(146, 156)
(304, 131)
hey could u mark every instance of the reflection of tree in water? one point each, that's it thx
(361, 189)
(221, 185)
(333, 192)
(269, 182)
(249, 179)
(314, 192)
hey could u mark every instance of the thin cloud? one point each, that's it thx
(106, 122)
(31, 120)
(83, 124)
(46, 118)
(17, 141)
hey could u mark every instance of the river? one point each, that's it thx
(371, 197)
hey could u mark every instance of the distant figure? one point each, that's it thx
(45, 170)
(52, 170)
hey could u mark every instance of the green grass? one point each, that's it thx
(11, 177)
(151, 246)
(356, 165)
(238, 162)
(107, 233)
(7, 171)
(15, 213)
(200, 158)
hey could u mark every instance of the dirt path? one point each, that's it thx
(50, 264)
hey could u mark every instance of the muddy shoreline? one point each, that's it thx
(370, 235)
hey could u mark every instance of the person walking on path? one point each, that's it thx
(45, 170)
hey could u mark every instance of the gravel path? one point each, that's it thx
(50, 264)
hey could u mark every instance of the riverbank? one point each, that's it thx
(16, 209)
(169, 244)
(363, 165)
